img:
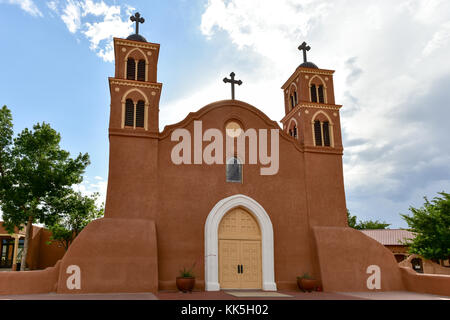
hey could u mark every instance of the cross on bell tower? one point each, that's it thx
(304, 47)
(233, 82)
(138, 19)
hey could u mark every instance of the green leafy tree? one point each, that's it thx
(365, 225)
(71, 214)
(6, 134)
(38, 170)
(431, 224)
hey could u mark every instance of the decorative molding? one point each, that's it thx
(314, 71)
(212, 241)
(137, 45)
(138, 84)
(321, 106)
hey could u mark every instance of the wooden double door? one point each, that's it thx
(240, 251)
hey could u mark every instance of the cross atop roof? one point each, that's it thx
(233, 82)
(138, 19)
(304, 47)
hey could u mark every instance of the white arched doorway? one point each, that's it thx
(212, 241)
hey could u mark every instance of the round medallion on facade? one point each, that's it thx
(153, 93)
(335, 114)
(124, 49)
(306, 111)
(306, 77)
(149, 53)
(233, 129)
(117, 89)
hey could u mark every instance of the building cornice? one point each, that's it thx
(136, 44)
(306, 70)
(136, 84)
(310, 105)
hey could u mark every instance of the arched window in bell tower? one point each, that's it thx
(131, 69)
(129, 113)
(140, 114)
(323, 130)
(141, 70)
(313, 93)
(321, 96)
(317, 133)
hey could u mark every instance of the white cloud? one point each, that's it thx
(97, 21)
(72, 16)
(28, 6)
(88, 188)
(53, 6)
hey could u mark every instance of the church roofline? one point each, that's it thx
(137, 44)
(204, 110)
(305, 70)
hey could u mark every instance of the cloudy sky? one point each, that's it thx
(392, 62)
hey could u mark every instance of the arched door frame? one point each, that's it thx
(212, 242)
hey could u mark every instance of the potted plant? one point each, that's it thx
(307, 283)
(186, 281)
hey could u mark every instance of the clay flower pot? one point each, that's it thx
(307, 284)
(185, 284)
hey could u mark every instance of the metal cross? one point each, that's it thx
(304, 47)
(138, 19)
(233, 82)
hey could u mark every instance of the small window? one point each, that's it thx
(129, 113)
(234, 170)
(295, 131)
(321, 99)
(131, 69)
(292, 102)
(326, 134)
(313, 93)
(140, 114)
(141, 70)
(318, 133)
(295, 97)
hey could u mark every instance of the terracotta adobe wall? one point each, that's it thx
(114, 255)
(346, 253)
(425, 283)
(49, 254)
(29, 282)
(429, 267)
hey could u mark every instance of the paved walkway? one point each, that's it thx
(223, 295)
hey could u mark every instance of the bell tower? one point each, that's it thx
(311, 115)
(133, 127)
(135, 92)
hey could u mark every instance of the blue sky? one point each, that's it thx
(391, 61)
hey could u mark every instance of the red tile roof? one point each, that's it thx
(389, 237)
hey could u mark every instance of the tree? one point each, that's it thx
(37, 170)
(72, 213)
(431, 224)
(365, 225)
(6, 133)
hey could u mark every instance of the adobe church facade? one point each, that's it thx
(238, 228)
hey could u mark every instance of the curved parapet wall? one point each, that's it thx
(30, 282)
(345, 254)
(429, 267)
(426, 283)
(112, 255)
